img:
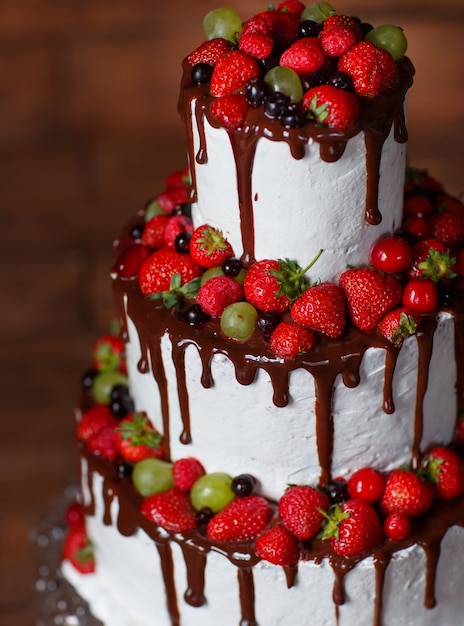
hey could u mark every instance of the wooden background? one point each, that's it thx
(88, 132)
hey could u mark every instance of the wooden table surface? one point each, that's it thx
(88, 132)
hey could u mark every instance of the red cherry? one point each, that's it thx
(397, 526)
(366, 484)
(74, 515)
(130, 260)
(417, 227)
(391, 254)
(420, 296)
(417, 206)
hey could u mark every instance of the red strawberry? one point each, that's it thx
(399, 324)
(241, 519)
(430, 259)
(445, 468)
(448, 227)
(444, 202)
(295, 7)
(352, 528)
(260, 24)
(176, 225)
(159, 269)
(304, 56)
(209, 52)
(300, 508)
(209, 247)
(129, 260)
(257, 45)
(405, 492)
(370, 295)
(170, 509)
(108, 354)
(277, 546)
(230, 110)
(172, 197)
(232, 71)
(217, 293)
(262, 287)
(93, 421)
(322, 308)
(186, 472)
(137, 439)
(339, 34)
(180, 177)
(77, 549)
(373, 70)
(74, 515)
(336, 108)
(289, 339)
(153, 233)
(103, 443)
(284, 27)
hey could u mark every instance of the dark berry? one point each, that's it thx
(136, 231)
(204, 515)
(195, 316)
(365, 28)
(445, 294)
(276, 104)
(294, 116)
(315, 79)
(273, 59)
(121, 403)
(182, 242)
(340, 80)
(268, 322)
(88, 378)
(130, 260)
(256, 91)
(309, 28)
(124, 469)
(232, 267)
(337, 490)
(201, 73)
(243, 485)
(183, 209)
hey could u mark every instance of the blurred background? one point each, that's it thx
(88, 132)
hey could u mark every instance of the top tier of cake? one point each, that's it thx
(278, 191)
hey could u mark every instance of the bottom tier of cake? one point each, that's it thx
(146, 576)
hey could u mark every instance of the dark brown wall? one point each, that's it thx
(88, 131)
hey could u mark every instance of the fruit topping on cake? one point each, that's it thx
(302, 510)
(137, 439)
(78, 550)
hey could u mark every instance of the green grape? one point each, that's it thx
(211, 273)
(390, 38)
(240, 278)
(104, 382)
(212, 490)
(285, 80)
(153, 208)
(224, 22)
(318, 12)
(152, 476)
(238, 321)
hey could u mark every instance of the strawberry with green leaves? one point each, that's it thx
(431, 259)
(278, 546)
(302, 509)
(78, 550)
(329, 106)
(170, 509)
(138, 439)
(108, 354)
(352, 528)
(158, 271)
(406, 492)
(241, 519)
(322, 308)
(370, 295)
(445, 469)
(399, 324)
(94, 420)
(209, 246)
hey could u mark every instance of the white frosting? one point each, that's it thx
(128, 589)
(236, 428)
(320, 205)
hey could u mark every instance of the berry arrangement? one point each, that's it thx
(193, 271)
(352, 515)
(301, 64)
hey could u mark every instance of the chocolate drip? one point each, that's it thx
(247, 596)
(324, 425)
(179, 364)
(425, 345)
(196, 563)
(167, 567)
(374, 143)
(391, 358)
(108, 496)
(291, 572)
(382, 559)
